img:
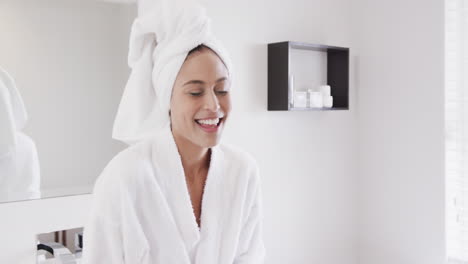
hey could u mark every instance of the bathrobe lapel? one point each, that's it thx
(168, 164)
(211, 216)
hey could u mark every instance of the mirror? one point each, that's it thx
(64, 68)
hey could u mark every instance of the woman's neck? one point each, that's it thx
(195, 159)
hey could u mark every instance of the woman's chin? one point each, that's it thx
(209, 141)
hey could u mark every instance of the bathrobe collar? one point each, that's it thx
(168, 164)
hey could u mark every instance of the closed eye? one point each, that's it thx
(201, 93)
(222, 92)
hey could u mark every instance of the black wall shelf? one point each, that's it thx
(279, 69)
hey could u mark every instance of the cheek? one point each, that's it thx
(181, 120)
(225, 104)
(181, 110)
(187, 113)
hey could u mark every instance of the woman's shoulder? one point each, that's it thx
(235, 153)
(122, 169)
(241, 160)
(118, 182)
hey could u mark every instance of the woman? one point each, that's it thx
(176, 195)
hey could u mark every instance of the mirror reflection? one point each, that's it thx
(19, 163)
(65, 62)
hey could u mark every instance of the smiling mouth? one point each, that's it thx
(209, 125)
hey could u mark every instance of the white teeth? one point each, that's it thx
(209, 121)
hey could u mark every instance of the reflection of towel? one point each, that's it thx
(162, 35)
(13, 114)
(19, 163)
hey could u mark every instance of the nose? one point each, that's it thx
(212, 102)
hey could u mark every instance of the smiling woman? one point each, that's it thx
(177, 194)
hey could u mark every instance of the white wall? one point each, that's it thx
(307, 159)
(400, 91)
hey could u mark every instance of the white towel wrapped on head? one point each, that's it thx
(13, 114)
(161, 37)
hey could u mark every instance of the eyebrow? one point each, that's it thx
(202, 82)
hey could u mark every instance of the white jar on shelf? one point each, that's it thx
(315, 99)
(327, 101)
(300, 99)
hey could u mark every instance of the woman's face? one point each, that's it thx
(201, 101)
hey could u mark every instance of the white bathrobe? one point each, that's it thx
(142, 212)
(19, 171)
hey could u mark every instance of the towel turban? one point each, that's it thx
(162, 34)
